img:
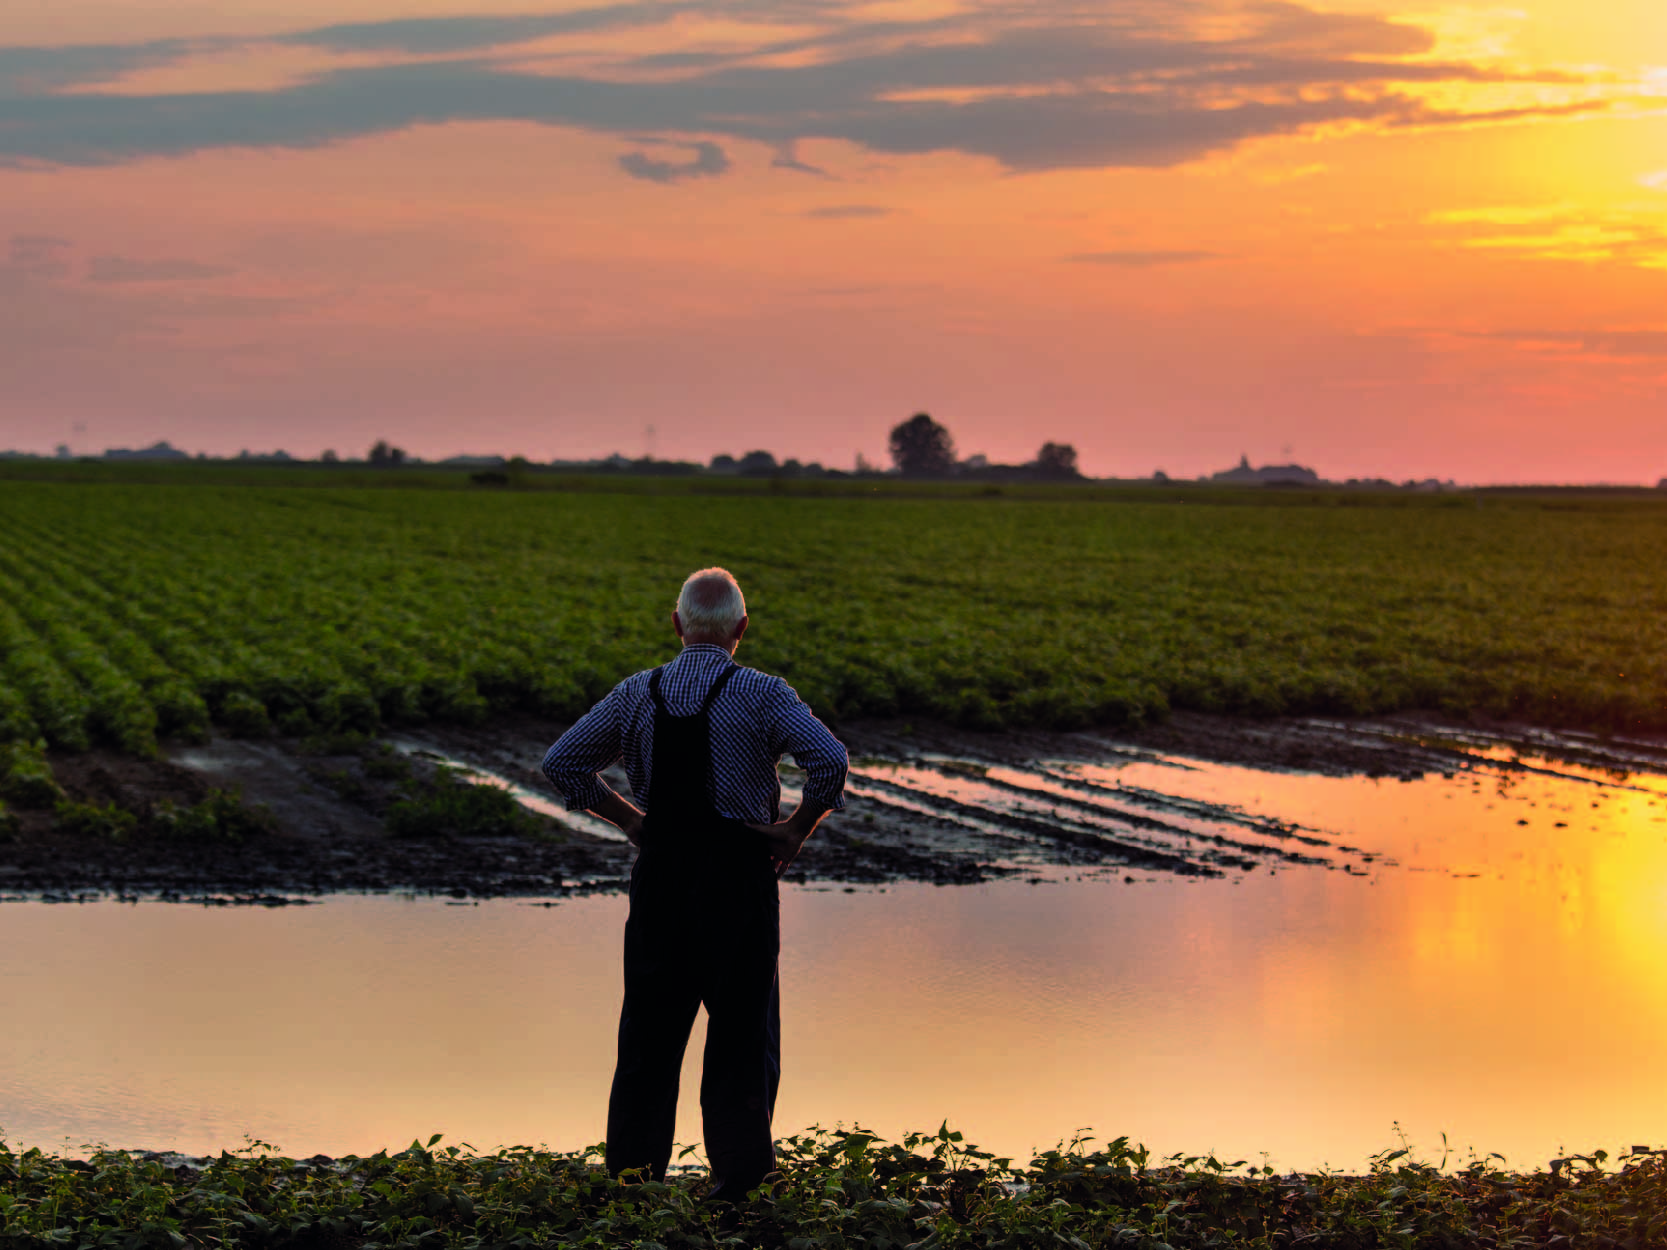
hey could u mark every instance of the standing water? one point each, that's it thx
(1481, 956)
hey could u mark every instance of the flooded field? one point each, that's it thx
(1202, 954)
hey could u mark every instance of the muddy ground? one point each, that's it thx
(925, 803)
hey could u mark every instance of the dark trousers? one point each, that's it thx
(704, 928)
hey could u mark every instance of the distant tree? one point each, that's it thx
(1057, 460)
(863, 465)
(329, 457)
(723, 463)
(920, 447)
(385, 457)
(758, 464)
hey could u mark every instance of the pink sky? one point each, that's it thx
(1376, 239)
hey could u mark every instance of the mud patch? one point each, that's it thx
(925, 803)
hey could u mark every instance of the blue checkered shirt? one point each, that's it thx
(755, 720)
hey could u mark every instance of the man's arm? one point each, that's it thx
(795, 731)
(574, 763)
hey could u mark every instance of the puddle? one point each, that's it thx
(1204, 955)
(1459, 798)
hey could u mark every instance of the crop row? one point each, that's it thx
(132, 612)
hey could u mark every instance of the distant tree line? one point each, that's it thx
(921, 447)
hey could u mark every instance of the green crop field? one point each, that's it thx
(136, 609)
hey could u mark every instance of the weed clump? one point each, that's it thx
(222, 817)
(451, 806)
(244, 716)
(836, 1190)
(93, 820)
(26, 778)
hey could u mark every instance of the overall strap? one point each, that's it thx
(717, 688)
(654, 688)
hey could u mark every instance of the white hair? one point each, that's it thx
(710, 604)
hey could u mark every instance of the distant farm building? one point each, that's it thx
(1268, 475)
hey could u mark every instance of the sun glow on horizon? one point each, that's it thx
(583, 220)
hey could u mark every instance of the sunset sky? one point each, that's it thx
(1399, 239)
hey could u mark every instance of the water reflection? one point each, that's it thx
(1494, 967)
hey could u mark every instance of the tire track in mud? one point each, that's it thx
(1088, 829)
(926, 805)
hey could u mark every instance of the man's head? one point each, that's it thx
(710, 609)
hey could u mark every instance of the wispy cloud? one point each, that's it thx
(443, 35)
(35, 71)
(846, 212)
(38, 255)
(1137, 258)
(1563, 232)
(1149, 83)
(1586, 344)
(126, 269)
(708, 161)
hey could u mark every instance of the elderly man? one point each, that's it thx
(701, 737)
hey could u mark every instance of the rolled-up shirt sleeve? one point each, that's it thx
(591, 743)
(795, 731)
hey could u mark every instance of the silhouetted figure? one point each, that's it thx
(700, 738)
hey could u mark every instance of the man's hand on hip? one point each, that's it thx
(786, 837)
(617, 810)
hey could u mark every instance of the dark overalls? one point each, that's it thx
(703, 928)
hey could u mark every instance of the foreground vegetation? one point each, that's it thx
(836, 1189)
(131, 611)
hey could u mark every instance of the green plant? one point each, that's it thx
(244, 716)
(26, 777)
(221, 817)
(451, 806)
(836, 1190)
(94, 821)
(129, 610)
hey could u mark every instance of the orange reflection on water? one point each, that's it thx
(1503, 983)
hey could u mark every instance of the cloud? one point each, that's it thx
(33, 248)
(1562, 232)
(1141, 258)
(788, 158)
(123, 269)
(1609, 344)
(441, 35)
(38, 255)
(1149, 84)
(28, 71)
(846, 212)
(708, 161)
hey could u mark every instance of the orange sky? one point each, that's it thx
(1377, 239)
